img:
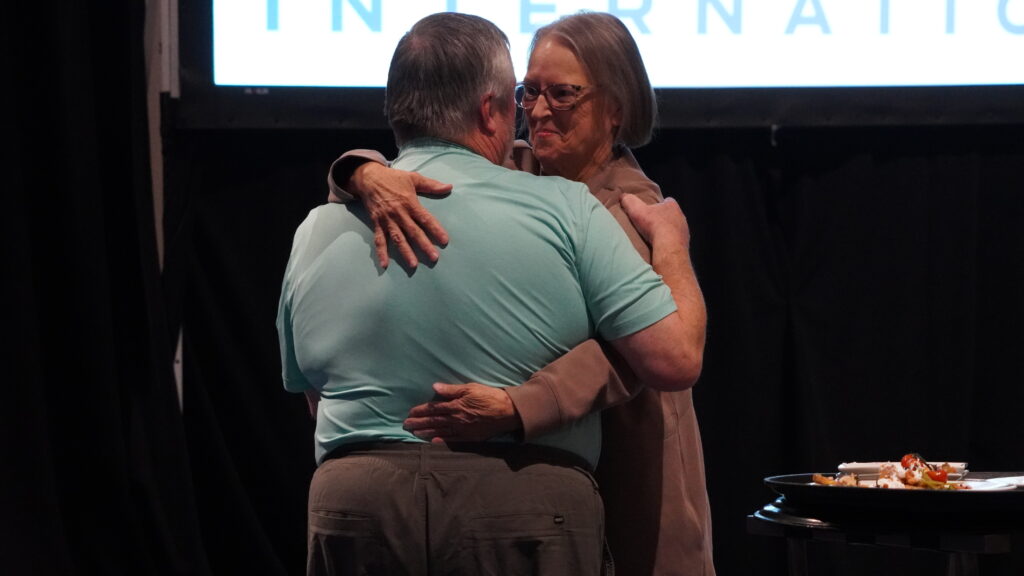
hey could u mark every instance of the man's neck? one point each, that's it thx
(489, 147)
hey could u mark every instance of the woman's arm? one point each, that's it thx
(390, 197)
(664, 227)
(588, 378)
(342, 169)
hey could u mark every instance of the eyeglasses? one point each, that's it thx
(560, 96)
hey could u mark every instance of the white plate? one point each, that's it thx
(872, 467)
(1013, 480)
(988, 485)
(976, 485)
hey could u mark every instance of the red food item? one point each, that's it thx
(909, 460)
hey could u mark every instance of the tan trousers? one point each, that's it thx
(426, 509)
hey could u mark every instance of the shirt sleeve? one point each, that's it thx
(623, 293)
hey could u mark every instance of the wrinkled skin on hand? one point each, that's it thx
(464, 413)
(391, 198)
(661, 222)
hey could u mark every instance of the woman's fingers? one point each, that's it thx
(388, 233)
(433, 409)
(429, 186)
(662, 218)
(407, 226)
(411, 225)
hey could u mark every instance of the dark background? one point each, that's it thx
(864, 289)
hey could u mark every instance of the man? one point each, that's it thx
(538, 267)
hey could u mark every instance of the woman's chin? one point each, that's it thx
(544, 149)
(548, 162)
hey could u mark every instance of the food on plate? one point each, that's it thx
(911, 472)
(841, 480)
(870, 469)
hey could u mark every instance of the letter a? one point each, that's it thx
(798, 19)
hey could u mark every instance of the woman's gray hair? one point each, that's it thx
(608, 52)
(440, 70)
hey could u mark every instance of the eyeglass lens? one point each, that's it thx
(560, 96)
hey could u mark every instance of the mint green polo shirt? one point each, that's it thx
(535, 266)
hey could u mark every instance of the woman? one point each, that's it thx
(587, 100)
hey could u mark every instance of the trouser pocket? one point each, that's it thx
(537, 543)
(342, 544)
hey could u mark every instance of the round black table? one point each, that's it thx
(960, 524)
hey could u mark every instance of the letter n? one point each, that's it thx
(734, 19)
(371, 16)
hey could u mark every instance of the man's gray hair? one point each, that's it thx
(440, 71)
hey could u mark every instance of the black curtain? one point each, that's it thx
(863, 290)
(96, 477)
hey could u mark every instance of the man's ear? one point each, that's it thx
(488, 110)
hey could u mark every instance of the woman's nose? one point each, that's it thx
(540, 108)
